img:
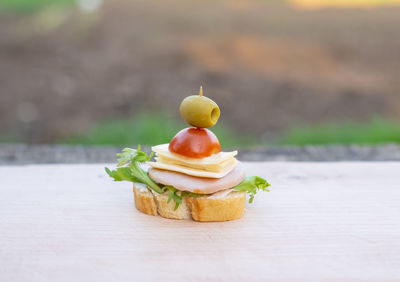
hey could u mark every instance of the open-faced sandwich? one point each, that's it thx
(190, 177)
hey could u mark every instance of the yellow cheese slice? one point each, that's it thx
(191, 171)
(163, 151)
(220, 167)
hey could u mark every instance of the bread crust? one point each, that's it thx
(225, 208)
(144, 201)
(166, 209)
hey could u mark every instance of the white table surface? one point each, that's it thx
(321, 221)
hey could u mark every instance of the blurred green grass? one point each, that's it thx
(30, 5)
(373, 132)
(149, 129)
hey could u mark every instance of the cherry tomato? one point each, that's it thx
(195, 142)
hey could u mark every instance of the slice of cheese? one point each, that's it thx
(163, 151)
(219, 167)
(193, 172)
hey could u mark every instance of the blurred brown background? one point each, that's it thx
(270, 65)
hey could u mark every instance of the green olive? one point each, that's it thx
(199, 111)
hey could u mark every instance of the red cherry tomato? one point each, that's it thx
(195, 143)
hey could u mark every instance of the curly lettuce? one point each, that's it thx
(178, 196)
(251, 185)
(129, 169)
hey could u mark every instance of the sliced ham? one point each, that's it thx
(198, 185)
(220, 194)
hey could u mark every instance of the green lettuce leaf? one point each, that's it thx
(129, 168)
(129, 155)
(251, 185)
(121, 174)
(178, 195)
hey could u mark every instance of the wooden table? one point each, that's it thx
(321, 221)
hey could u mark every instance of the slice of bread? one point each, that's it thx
(202, 208)
(144, 200)
(166, 209)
